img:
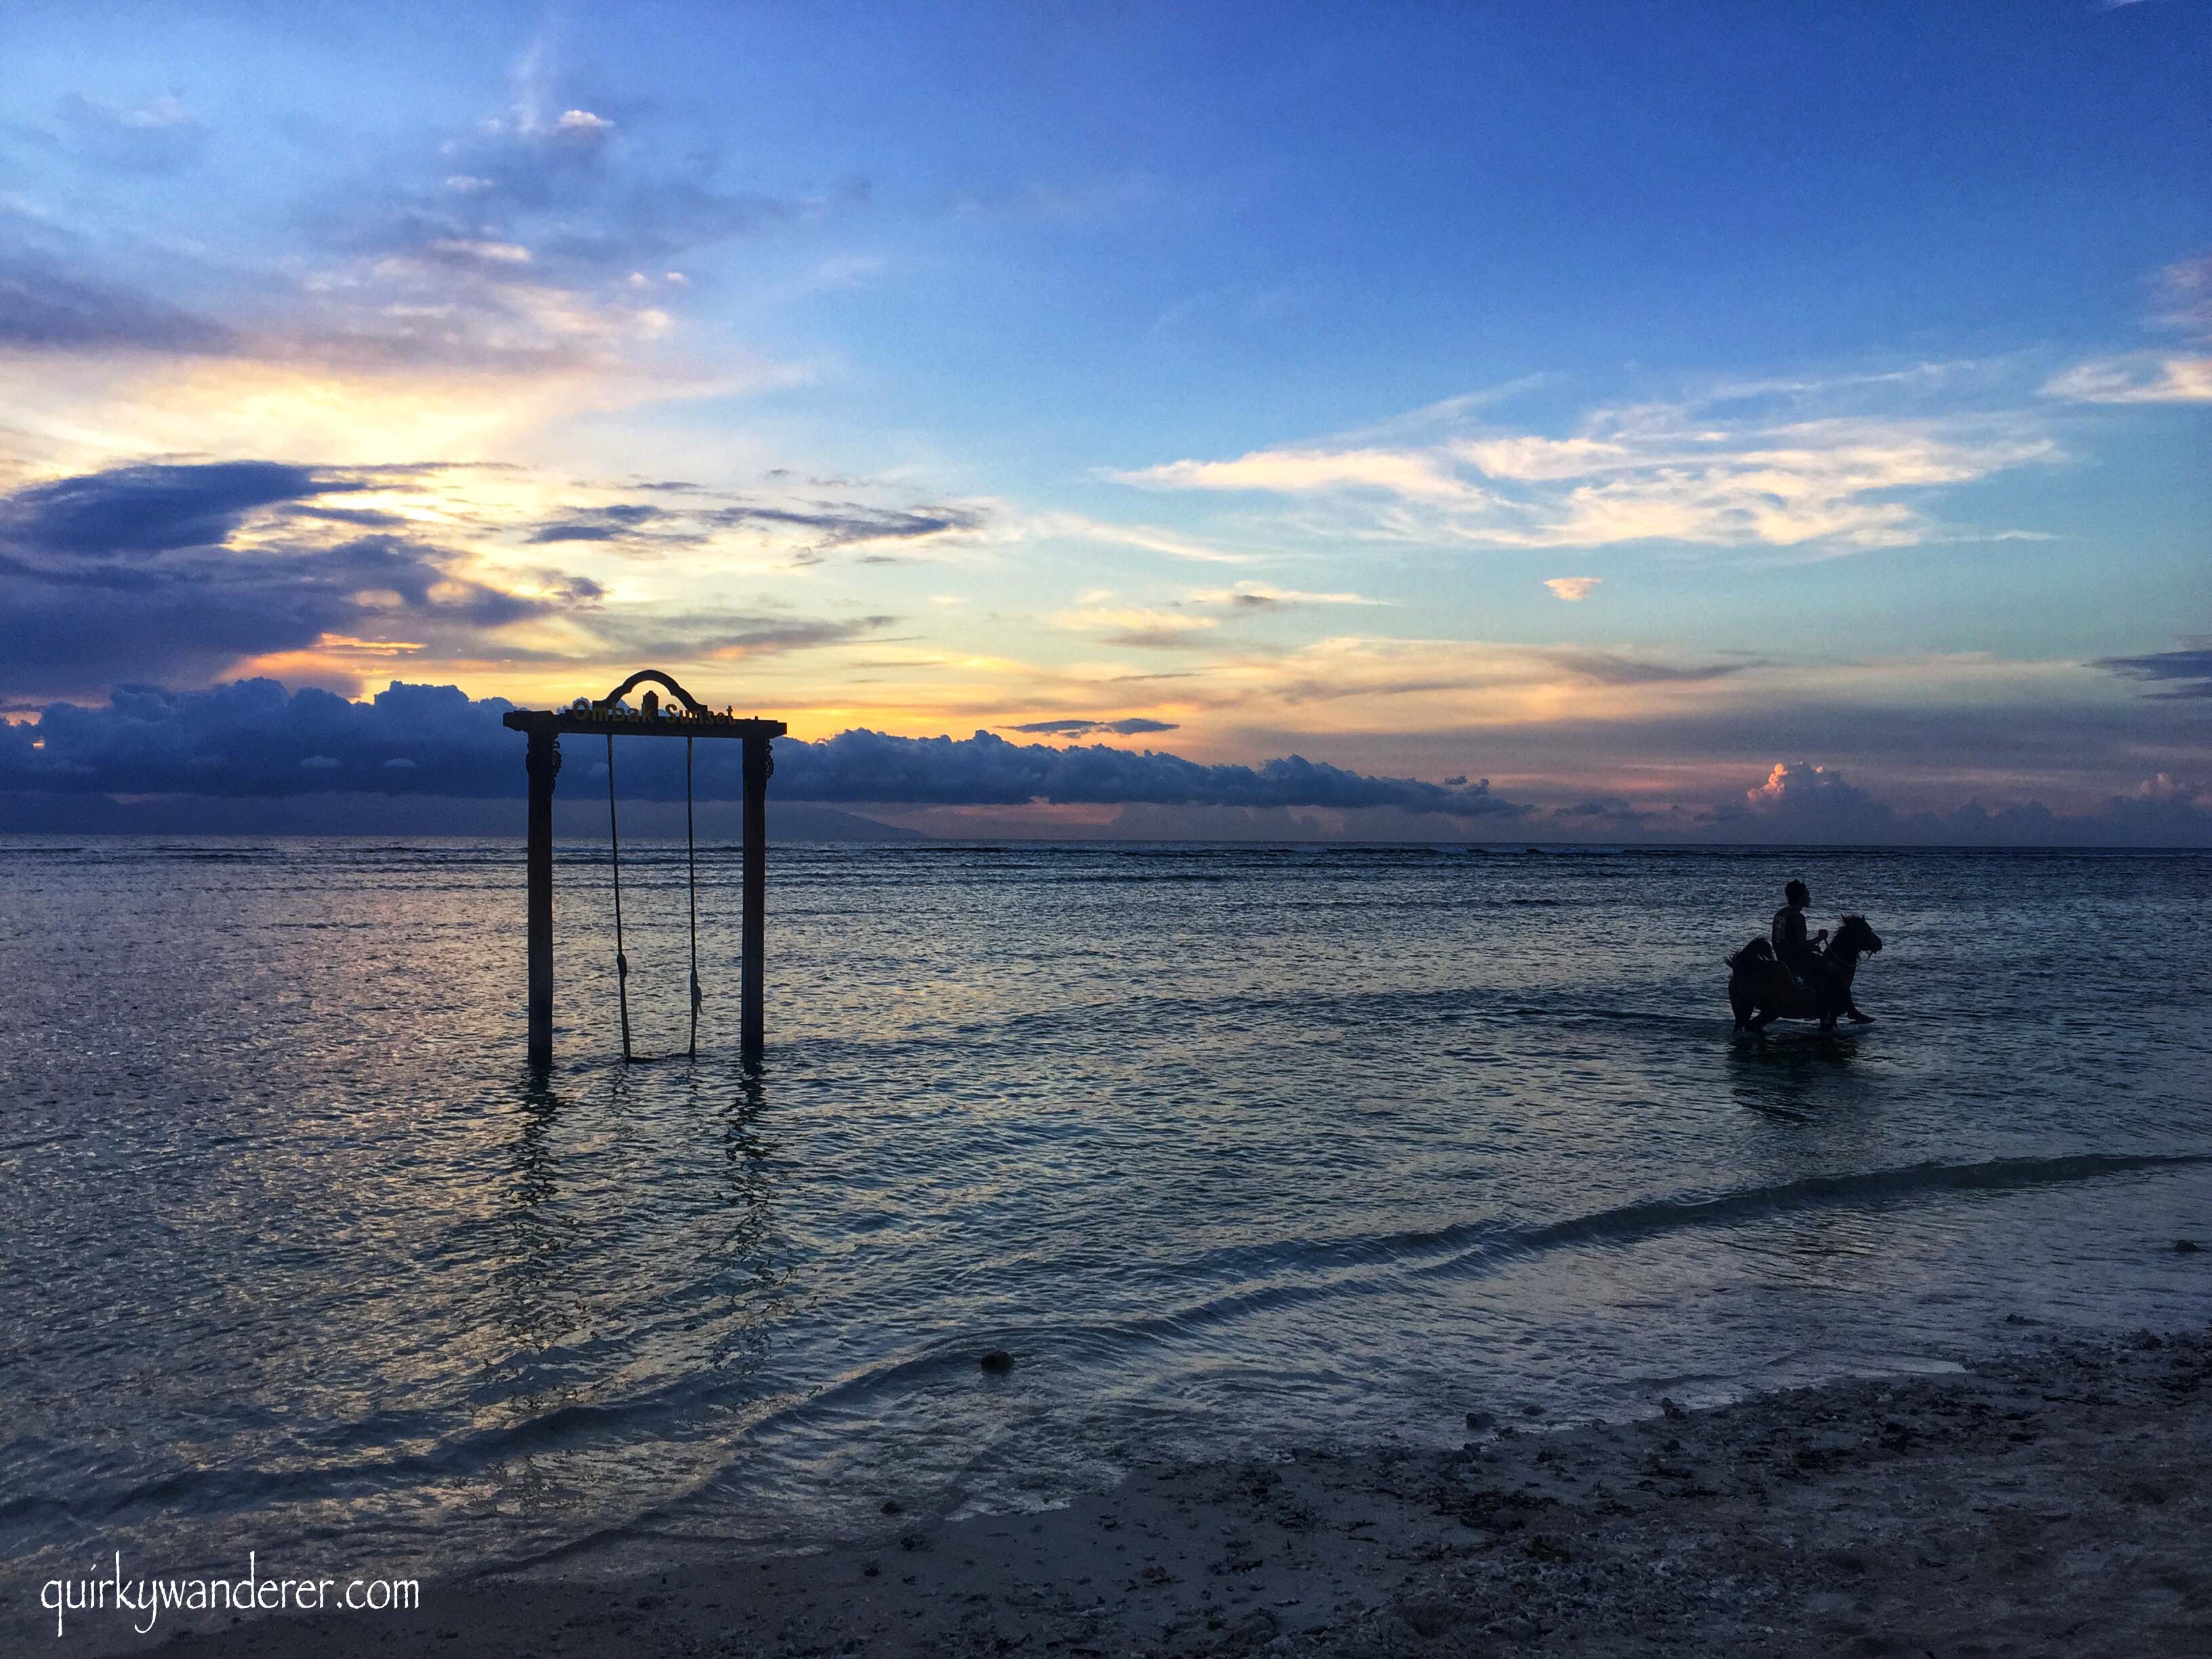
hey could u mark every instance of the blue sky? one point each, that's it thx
(1616, 403)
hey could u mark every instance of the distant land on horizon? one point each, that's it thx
(421, 816)
(415, 815)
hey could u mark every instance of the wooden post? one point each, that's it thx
(752, 1020)
(544, 761)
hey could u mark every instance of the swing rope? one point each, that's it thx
(691, 880)
(691, 865)
(614, 843)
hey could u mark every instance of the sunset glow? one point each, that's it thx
(895, 397)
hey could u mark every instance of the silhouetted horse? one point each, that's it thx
(1761, 989)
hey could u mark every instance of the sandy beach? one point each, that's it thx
(2052, 1500)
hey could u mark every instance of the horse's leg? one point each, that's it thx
(1859, 1016)
(1740, 1004)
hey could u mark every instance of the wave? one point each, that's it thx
(1872, 1187)
(1303, 1272)
(1263, 1279)
(575, 1427)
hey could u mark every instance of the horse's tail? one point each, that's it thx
(1760, 950)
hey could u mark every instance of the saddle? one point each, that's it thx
(1760, 953)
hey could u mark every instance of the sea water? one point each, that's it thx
(1234, 1149)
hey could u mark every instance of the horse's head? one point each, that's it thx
(1855, 938)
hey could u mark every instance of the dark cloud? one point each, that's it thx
(729, 633)
(1160, 639)
(182, 571)
(1805, 804)
(451, 251)
(47, 308)
(255, 738)
(1611, 668)
(137, 571)
(645, 528)
(448, 252)
(599, 524)
(2047, 743)
(987, 770)
(574, 187)
(2189, 668)
(843, 525)
(1134, 726)
(799, 635)
(151, 509)
(362, 518)
(831, 525)
(1815, 803)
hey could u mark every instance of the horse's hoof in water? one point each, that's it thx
(1858, 1018)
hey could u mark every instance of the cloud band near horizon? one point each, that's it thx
(255, 740)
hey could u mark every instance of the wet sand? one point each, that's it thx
(2051, 1501)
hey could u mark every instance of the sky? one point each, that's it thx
(1709, 421)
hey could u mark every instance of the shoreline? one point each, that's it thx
(2052, 1498)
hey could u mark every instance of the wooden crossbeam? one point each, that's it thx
(667, 724)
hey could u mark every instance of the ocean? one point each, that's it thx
(1234, 1149)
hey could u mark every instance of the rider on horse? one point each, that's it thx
(1787, 935)
(1801, 956)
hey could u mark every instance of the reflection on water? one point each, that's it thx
(1792, 1074)
(1229, 1147)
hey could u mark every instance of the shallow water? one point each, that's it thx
(1234, 1149)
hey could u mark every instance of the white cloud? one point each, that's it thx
(1150, 537)
(2140, 378)
(1701, 471)
(1573, 589)
(1298, 471)
(2185, 306)
(1531, 459)
(1814, 801)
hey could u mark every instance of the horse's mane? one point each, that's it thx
(1855, 921)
